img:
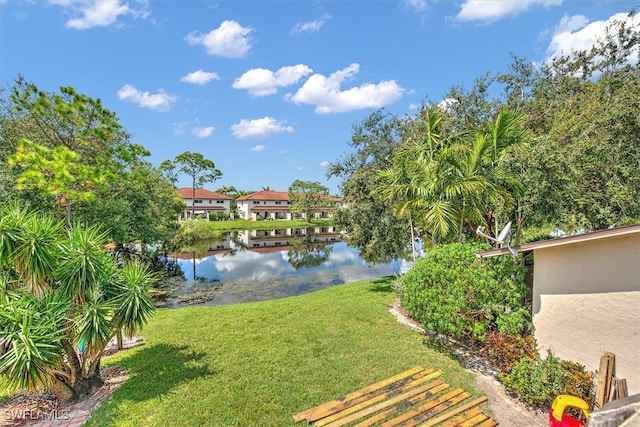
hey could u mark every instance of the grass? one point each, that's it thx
(257, 364)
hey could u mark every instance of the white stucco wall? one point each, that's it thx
(586, 300)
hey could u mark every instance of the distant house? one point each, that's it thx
(586, 297)
(273, 205)
(204, 204)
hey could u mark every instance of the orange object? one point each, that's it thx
(557, 417)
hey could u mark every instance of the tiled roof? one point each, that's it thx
(266, 195)
(275, 195)
(201, 193)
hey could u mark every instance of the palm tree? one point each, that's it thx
(448, 184)
(62, 299)
(417, 182)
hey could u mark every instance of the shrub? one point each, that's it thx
(577, 380)
(503, 351)
(539, 381)
(451, 291)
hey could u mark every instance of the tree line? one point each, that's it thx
(551, 148)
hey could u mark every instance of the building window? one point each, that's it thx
(219, 201)
(256, 202)
(278, 203)
(197, 201)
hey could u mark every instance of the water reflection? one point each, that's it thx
(256, 265)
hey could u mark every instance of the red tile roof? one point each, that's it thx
(266, 195)
(201, 193)
(275, 195)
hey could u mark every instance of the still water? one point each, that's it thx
(258, 265)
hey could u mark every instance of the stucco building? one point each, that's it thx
(204, 203)
(586, 297)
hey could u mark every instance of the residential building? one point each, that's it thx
(204, 204)
(586, 297)
(274, 205)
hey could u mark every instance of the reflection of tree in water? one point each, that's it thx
(307, 254)
(200, 249)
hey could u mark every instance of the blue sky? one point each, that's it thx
(269, 90)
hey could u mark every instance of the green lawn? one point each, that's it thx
(257, 364)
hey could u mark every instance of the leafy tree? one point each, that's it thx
(199, 169)
(141, 206)
(306, 197)
(57, 171)
(67, 148)
(369, 222)
(74, 120)
(62, 298)
(169, 171)
(584, 107)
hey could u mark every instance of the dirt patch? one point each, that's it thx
(505, 408)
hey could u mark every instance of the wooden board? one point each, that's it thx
(605, 376)
(412, 397)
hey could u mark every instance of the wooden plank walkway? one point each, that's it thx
(410, 398)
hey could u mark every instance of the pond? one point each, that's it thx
(258, 265)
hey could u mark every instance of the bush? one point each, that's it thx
(539, 381)
(503, 351)
(577, 380)
(218, 216)
(451, 291)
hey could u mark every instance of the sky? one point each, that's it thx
(270, 90)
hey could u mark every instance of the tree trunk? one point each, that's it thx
(81, 389)
(119, 339)
(413, 239)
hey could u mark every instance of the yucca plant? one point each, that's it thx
(62, 299)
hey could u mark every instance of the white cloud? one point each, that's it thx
(230, 40)
(259, 148)
(326, 95)
(447, 103)
(259, 128)
(263, 82)
(203, 132)
(417, 5)
(160, 101)
(575, 33)
(99, 13)
(324, 164)
(199, 77)
(490, 11)
(312, 26)
(178, 128)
